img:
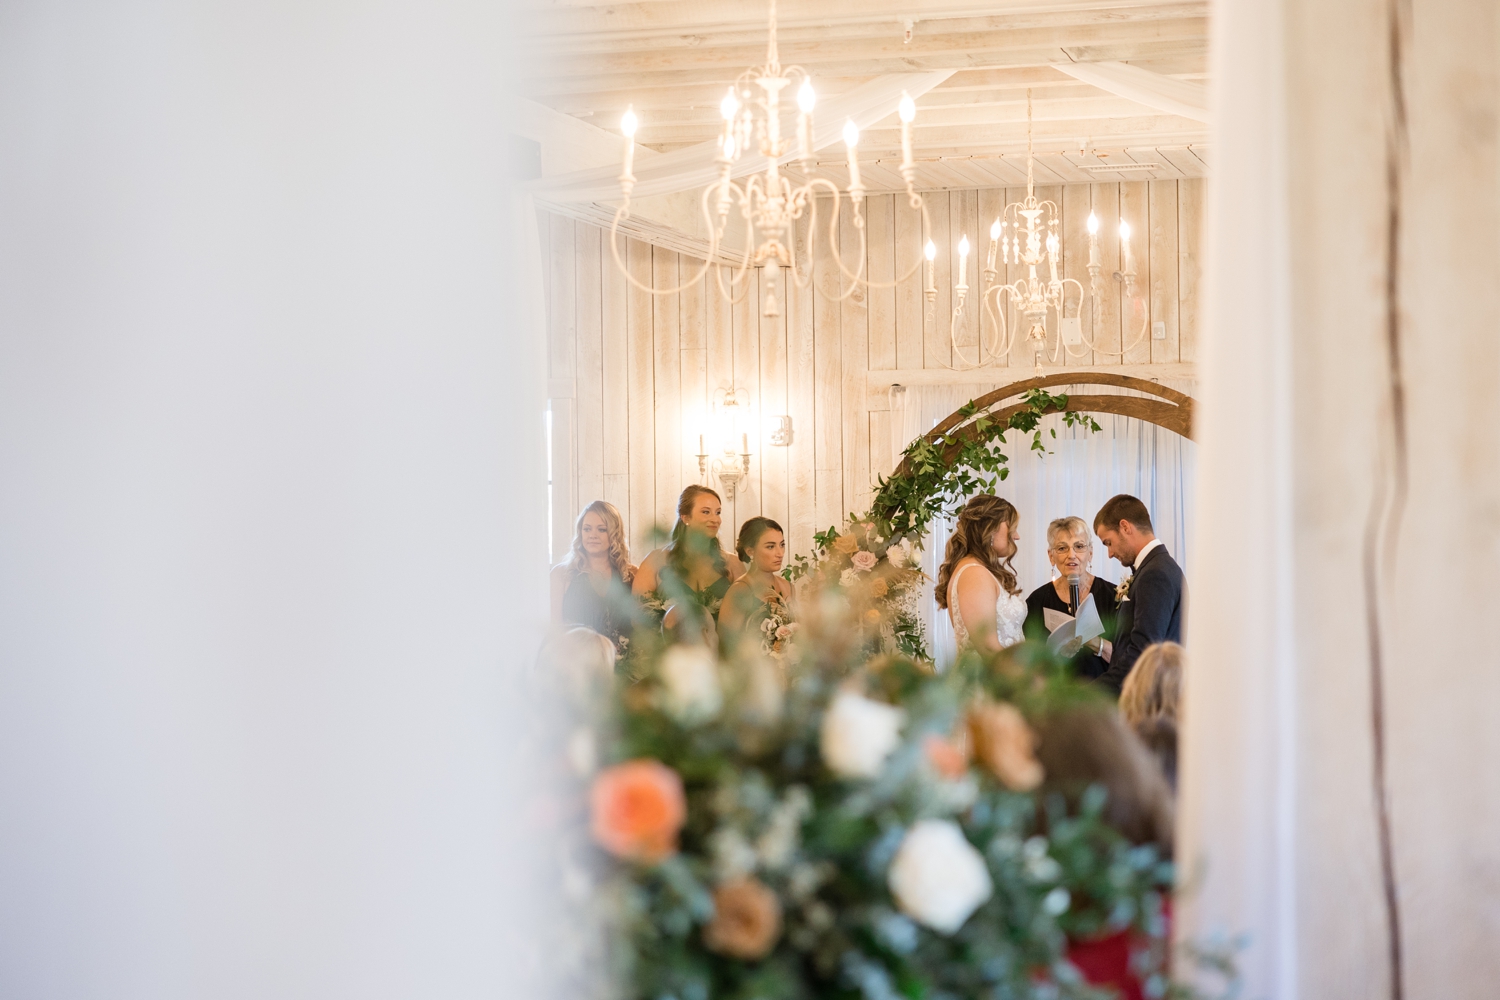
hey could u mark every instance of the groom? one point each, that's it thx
(1151, 597)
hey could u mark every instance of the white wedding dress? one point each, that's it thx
(1010, 613)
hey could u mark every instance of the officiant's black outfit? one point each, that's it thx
(1150, 613)
(1087, 664)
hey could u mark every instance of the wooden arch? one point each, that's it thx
(1171, 409)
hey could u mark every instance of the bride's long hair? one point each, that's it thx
(619, 552)
(977, 524)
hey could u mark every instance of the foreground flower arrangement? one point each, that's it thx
(837, 821)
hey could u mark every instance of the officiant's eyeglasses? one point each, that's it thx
(1063, 547)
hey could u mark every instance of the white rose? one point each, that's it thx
(859, 734)
(938, 877)
(692, 683)
(848, 578)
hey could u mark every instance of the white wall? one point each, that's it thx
(1350, 480)
(267, 425)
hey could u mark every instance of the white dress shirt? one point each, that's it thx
(1140, 556)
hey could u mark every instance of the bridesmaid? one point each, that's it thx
(761, 593)
(692, 566)
(592, 587)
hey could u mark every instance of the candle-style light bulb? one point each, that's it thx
(729, 106)
(908, 110)
(1093, 223)
(930, 250)
(995, 230)
(963, 246)
(1124, 230)
(628, 125)
(729, 147)
(806, 98)
(851, 139)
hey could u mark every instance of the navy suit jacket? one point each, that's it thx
(1151, 613)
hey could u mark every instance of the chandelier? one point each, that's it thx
(768, 200)
(1025, 234)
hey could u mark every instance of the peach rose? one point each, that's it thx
(864, 561)
(1006, 745)
(946, 759)
(847, 544)
(747, 920)
(638, 808)
(878, 587)
(872, 617)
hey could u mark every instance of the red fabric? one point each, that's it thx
(1106, 961)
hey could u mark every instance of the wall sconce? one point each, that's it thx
(730, 418)
(781, 433)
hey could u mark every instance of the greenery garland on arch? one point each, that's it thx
(936, 477)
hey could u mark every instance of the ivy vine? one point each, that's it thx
(938, 476)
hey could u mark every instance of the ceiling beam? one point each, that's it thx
(625, 19)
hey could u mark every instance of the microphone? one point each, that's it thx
(1073, 582)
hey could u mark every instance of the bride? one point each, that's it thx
(976, 582)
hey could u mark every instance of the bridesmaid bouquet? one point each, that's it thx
(842, 823)
(777, 628)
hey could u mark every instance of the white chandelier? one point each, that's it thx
(768, 201)
(1026, 234)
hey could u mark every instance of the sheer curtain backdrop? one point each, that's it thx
(1078, 473)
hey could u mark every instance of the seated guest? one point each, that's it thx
(1148, 701)
(1092, 745)
(1070, 549)
(1151, 597)
(591, 587)
(761, 594)
(692, 568)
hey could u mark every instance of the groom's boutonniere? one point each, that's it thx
(1122, 592)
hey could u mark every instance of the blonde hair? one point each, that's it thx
(1075, 526)
(619, 552)
(1153, 686)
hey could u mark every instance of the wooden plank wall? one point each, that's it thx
(632, 374)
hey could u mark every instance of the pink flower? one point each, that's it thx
(784, 632)
(863, 561)
(638, 809)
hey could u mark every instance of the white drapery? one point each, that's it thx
(1078, 473)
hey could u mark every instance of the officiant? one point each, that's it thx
(1070, 549)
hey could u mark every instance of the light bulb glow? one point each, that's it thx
(930, 250)
(1093, 223)
(851, 134)
(729, 146)
(729, 105)
(963, 246)
(995, 230)
(628, 123)
(806, 98)
(908, 108)
(1124, 230)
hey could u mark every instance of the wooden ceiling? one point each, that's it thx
(673, 59)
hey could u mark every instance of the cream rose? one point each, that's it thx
(691, 680)
(859, 734)
(901, 555)
(938, 877)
